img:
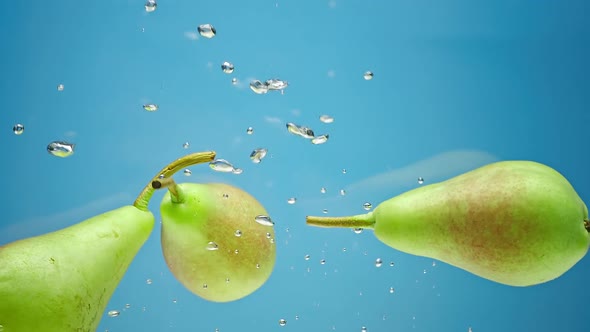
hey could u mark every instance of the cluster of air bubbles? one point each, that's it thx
(207, 30)
(273, 84)
(257, 155)
(150, 107)
(306, 133)
(60, 149)
(224, 166)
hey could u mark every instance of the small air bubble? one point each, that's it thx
(391, 290)
(264, 220)
(238, 233)
(185, 145)
(307, 257)
(207, 30)
(364, 329)
(60, 87)
(212, 246)
(326, 119)
(322, 261)
(292, 200)
(114, 313)
(342, 192)
(188, 172)
(324, 211)
(323, 190)
(227, 67)
(150, 107)
(358, 230)
(18, 129)
(148, 281)
(151, 6)
(368, 75)
(250, 130)
(378, 262)
(205, 286)
(420, 180)
(367, 206)
(282, 322)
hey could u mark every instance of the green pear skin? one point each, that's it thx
(518, 223)
(213, 212)
(62, 281)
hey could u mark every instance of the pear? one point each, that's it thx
(518, 223)
(63, 280)
(217, 240)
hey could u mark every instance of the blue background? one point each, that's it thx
(457, 84)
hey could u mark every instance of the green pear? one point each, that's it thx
(518, 223)
(62, 281)
(212, 242)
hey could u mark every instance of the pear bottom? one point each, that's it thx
(62, 281)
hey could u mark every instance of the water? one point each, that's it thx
(456, 85)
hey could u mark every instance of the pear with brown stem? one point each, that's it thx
(518, 223)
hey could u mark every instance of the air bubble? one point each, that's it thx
(114, 313)
(18, 129)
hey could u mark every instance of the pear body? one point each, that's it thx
(212, 243)
(518, 223)
(62, 281)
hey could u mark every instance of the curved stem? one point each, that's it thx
(143, 199)
(359, 221)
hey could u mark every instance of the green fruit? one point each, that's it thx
(518, 223)
(62, 281)
(197, 218)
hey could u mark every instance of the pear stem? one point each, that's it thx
(143, 199)
(176, 193)
(359, 221)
